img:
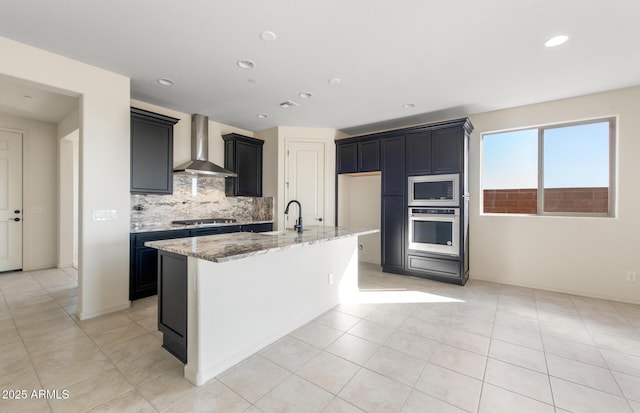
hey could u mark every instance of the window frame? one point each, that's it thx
(612, 190)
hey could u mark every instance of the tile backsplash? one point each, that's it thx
(197, 197)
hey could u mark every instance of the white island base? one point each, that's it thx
(237, 307)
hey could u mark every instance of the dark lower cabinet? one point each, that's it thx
(172, 303)
(394, 180)
(143, 262)
(264, 227)
(393, 233)
(226, 229)
(440, 267)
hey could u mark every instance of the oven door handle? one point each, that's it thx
(450, 218)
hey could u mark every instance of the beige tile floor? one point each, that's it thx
(412, 345)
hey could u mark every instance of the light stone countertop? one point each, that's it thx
(239, 245)
(150, 227)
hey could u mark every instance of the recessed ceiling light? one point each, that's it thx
(334, 81)
(268, 36)
(165, 82)
(262, 115)
(409, 105)
(305, 95)
(27, 97)
(289, 104)
(252, 81)
(246, 64)
(556, 41)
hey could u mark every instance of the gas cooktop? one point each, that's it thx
(204, 221)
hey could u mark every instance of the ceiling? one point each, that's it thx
(445, 58)
(26, 100)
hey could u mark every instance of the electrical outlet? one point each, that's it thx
(330, 278)
(631, 276)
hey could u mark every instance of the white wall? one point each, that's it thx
(40, 205)
(274, 160)
(359, 207)
(584, 256)
(104, 167)
(270, 167)
(68, 135)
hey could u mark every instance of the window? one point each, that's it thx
(560, 169)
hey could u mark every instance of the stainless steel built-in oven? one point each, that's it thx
(434, 190)
(435, 230)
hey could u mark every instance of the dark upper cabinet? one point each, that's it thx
(347, 158)
(393, 176)
(243, 155)
(369, 156)
(435, 151)
(354, 157)
(419, 153)
(151, 152)
(446, 147)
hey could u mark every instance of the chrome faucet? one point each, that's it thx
(298, 225)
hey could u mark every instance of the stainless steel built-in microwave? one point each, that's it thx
(434, 190)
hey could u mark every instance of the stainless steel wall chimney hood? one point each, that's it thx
(199, 163)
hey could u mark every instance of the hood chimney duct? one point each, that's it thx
(199, 163)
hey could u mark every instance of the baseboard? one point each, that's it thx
(85, 315)
(554, 290)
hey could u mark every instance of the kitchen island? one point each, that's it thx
(222, 298)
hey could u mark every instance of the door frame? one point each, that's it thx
(24, 161)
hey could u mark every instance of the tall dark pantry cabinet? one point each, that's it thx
(431, 151)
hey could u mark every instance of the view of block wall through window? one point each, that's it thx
(575, 165)
(525, 201)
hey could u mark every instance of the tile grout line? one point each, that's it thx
(73, 318)
(486, 363)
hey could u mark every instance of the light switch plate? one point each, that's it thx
(104, 215)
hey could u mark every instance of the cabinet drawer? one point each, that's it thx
(257, 227)
(447, 268)
(143, 237)
(200, 232)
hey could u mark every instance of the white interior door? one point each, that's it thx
(10, 201)
(305, 181)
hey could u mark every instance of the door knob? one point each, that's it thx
(319, 219)
(17, 211)
(14, 219)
